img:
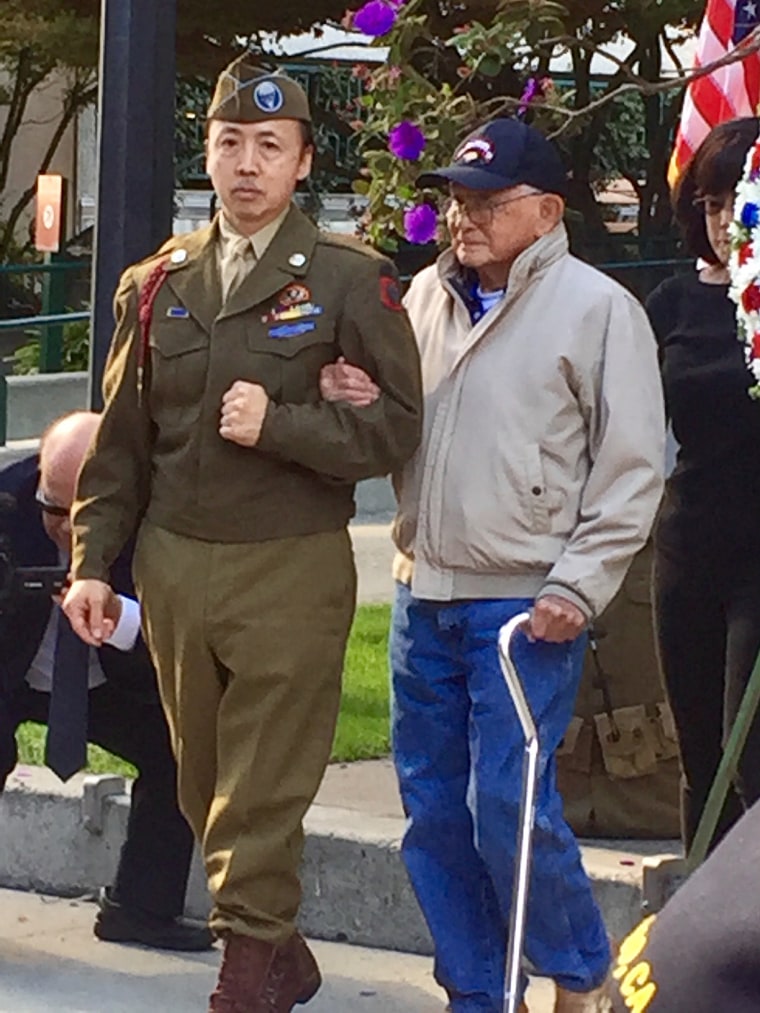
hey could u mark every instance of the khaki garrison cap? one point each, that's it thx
(245, 93)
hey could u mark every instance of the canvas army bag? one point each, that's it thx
(618, 766)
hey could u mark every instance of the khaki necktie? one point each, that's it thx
(237, 262)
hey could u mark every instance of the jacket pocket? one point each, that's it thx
(179, 351)
(633, 751)
(296, 357)
(535, 494)
(667, 736)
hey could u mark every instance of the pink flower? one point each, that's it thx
(406, 141)
(420, 224)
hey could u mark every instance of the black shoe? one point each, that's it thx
(117, 924)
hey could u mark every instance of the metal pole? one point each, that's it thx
(54, 299)
(518, 912)
(53, 304)
(3, 410)
(726, 772)
(135, 153)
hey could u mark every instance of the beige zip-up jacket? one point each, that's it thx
(541, 463)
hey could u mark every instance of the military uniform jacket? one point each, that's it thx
(158, 453)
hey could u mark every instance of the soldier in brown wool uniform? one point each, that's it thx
(217, 449)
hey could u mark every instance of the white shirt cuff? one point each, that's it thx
(124, 637)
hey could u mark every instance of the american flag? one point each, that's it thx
(726, 93)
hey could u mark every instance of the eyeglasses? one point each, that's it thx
(712, 206)
(481, 212)
(54, 509)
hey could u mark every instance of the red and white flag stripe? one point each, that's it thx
(726, 93)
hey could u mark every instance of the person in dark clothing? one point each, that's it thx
(122, 710)
(707, 540)
(700, 953)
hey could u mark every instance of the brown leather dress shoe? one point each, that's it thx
(258, 977)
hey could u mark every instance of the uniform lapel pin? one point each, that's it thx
(297, 259)
(179, 256)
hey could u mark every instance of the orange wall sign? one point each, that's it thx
(47, 232)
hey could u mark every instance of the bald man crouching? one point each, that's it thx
(117, 705)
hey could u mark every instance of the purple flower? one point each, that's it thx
(420, 224)
(531, 89)
(406, 141)
(375, 18)
(750, 216)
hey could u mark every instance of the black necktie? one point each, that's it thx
(66, 743)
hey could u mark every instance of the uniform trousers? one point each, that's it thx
(458, 749)
(248, 641)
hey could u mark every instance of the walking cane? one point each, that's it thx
(518, 910)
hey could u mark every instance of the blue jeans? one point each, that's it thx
(458, 749)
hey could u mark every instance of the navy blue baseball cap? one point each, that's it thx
(500, 154)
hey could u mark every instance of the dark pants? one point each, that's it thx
(155, 859)
(707, 616)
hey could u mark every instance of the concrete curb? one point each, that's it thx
(65, 840)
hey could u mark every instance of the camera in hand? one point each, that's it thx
(21, 582)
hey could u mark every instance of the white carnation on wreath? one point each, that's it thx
(744, 263)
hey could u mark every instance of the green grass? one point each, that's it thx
(363, 723)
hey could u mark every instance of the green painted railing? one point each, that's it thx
(43, 320)
(52, 267)
(50, 357)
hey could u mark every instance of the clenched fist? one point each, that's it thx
(243, 409)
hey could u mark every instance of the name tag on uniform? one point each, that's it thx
(292, 330)
(178, 313)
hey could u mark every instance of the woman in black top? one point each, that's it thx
(707, 540)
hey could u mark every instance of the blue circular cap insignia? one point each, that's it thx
(268, 97)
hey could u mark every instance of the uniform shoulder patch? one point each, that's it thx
(390, 291)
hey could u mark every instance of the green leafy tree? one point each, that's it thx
(451, 67)
(40, 38)
(34, 37)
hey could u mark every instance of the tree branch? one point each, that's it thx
(78, 96)
(751, 45)
(24, 83)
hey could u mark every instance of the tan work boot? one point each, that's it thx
(595, 1001)
(259, 977)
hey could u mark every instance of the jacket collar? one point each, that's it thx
(193, 274)
(538, 256)
(288, 256)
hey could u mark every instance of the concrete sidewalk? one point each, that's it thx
(49, 960)
(65, 839)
